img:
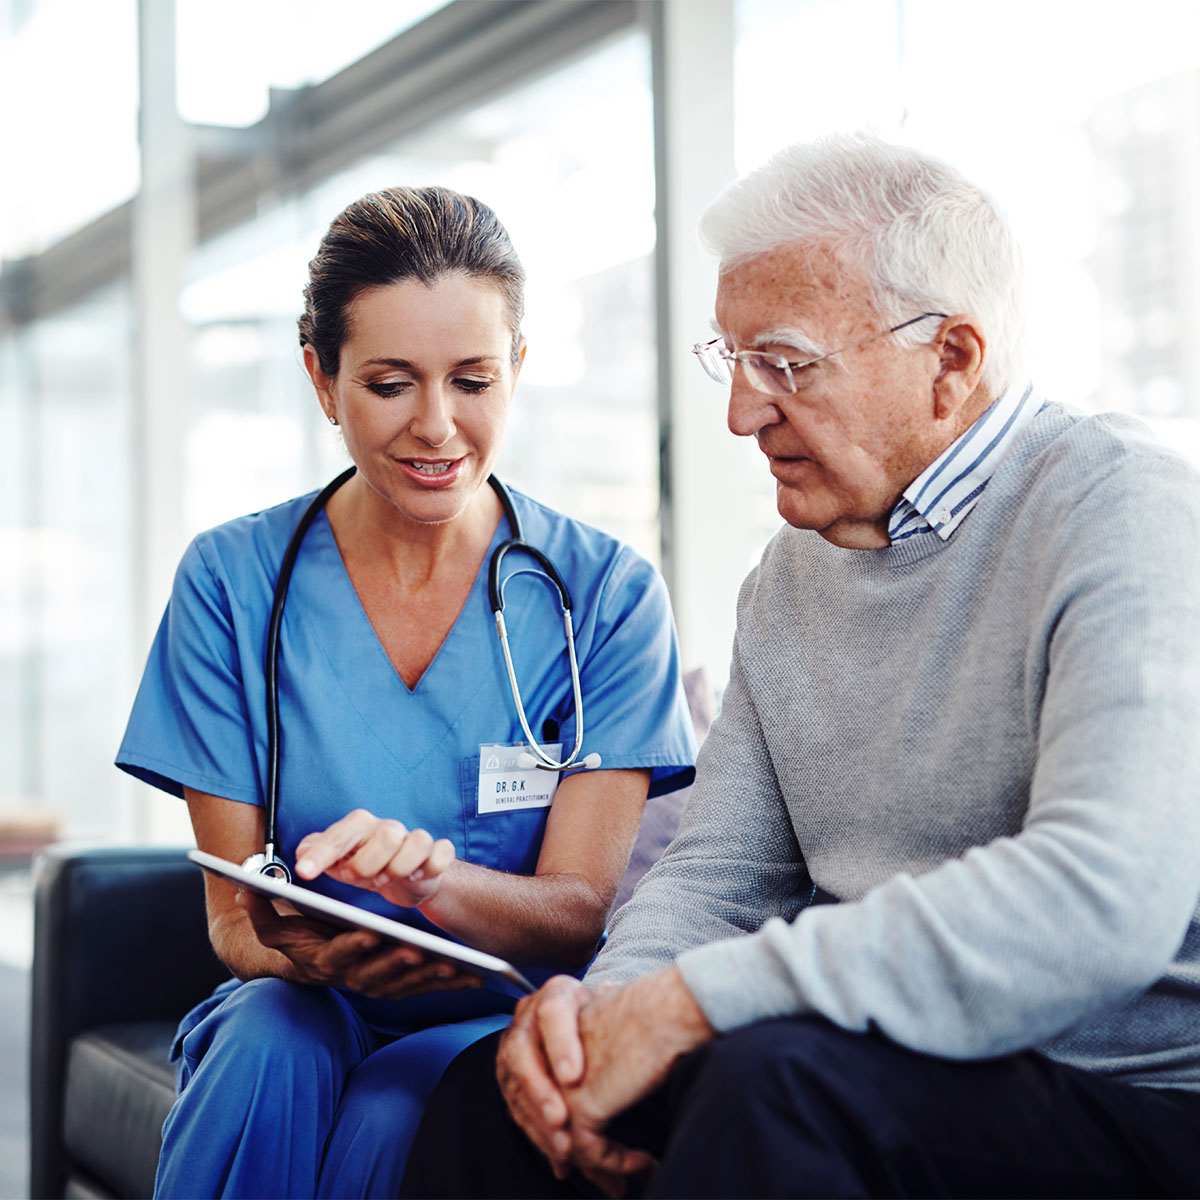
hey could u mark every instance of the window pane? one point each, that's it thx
(68, 89)
(225, 77)
(65, 660)
(583, 433)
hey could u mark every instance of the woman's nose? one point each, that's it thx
(433, 421)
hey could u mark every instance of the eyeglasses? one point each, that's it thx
(772, 373)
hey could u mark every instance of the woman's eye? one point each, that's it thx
(472, 386)
(389, 387)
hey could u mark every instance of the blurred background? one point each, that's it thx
(168, 169)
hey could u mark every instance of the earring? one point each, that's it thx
(333, 420)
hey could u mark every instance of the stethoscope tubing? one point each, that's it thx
(269, 861)
(272, 656)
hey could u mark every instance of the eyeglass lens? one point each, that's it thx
(767, 373)
(715, 365)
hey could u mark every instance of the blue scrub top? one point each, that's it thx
(353, 735)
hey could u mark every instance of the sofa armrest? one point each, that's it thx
(120, 935)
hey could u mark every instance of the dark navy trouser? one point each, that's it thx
(799, 1107)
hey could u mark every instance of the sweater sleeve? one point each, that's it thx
(733, 864)
(1028, 937)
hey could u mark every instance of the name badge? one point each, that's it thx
(506, 787)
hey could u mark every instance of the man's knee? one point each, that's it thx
(786, 1053)
(467, 1109)
(801, 1079)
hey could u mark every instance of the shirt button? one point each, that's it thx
(943, 516)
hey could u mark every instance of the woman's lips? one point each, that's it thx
(431, 472)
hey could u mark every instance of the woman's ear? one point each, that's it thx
(320, 381)
(962, 348)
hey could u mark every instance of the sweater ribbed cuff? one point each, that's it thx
(737, 981)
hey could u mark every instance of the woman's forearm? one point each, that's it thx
(550, 918)
(237, 946)
(556, 916)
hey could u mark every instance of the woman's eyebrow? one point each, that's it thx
(402, 364)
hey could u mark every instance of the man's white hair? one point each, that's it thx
(927, 239)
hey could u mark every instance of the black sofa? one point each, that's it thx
(121, 952)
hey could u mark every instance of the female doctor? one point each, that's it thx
(306, 1073)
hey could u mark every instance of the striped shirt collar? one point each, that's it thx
(942, 495)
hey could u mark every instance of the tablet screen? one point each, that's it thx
(348, 916)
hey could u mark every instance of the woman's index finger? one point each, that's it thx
(317, 852)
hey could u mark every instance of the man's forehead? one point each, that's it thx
(794, 285)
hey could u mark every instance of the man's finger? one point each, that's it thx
(558, 1029)
(536, 1103)
(607, 1163)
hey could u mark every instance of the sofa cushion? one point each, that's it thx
(119, 1089)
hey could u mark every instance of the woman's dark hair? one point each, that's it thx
(405, 233)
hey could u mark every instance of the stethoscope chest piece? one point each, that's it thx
(264, 864)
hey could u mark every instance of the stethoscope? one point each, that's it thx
(268, 862)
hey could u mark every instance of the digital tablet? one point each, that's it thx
(349, 916)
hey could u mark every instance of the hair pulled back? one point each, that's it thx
(404, 233)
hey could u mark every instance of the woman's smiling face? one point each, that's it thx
(422, 393)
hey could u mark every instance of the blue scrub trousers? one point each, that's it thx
(287, 1090)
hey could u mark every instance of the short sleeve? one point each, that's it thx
(636, 713)
(189, 724)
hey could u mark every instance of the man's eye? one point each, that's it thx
(770, 364)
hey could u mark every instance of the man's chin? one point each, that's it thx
(798, 510)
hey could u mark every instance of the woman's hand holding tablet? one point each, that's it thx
(413, 960)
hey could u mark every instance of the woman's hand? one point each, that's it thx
(321, 956)
(406, 866)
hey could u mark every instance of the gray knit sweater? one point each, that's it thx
(987, 751)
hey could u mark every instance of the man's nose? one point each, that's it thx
(749, 409)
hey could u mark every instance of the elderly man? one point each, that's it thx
(930, 924)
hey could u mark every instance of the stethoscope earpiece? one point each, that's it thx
(589, 762)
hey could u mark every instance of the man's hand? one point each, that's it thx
(540, 1054)
(631, 1036)
(572, 1060)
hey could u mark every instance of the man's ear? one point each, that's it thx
(320, 381)
(961, 347)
